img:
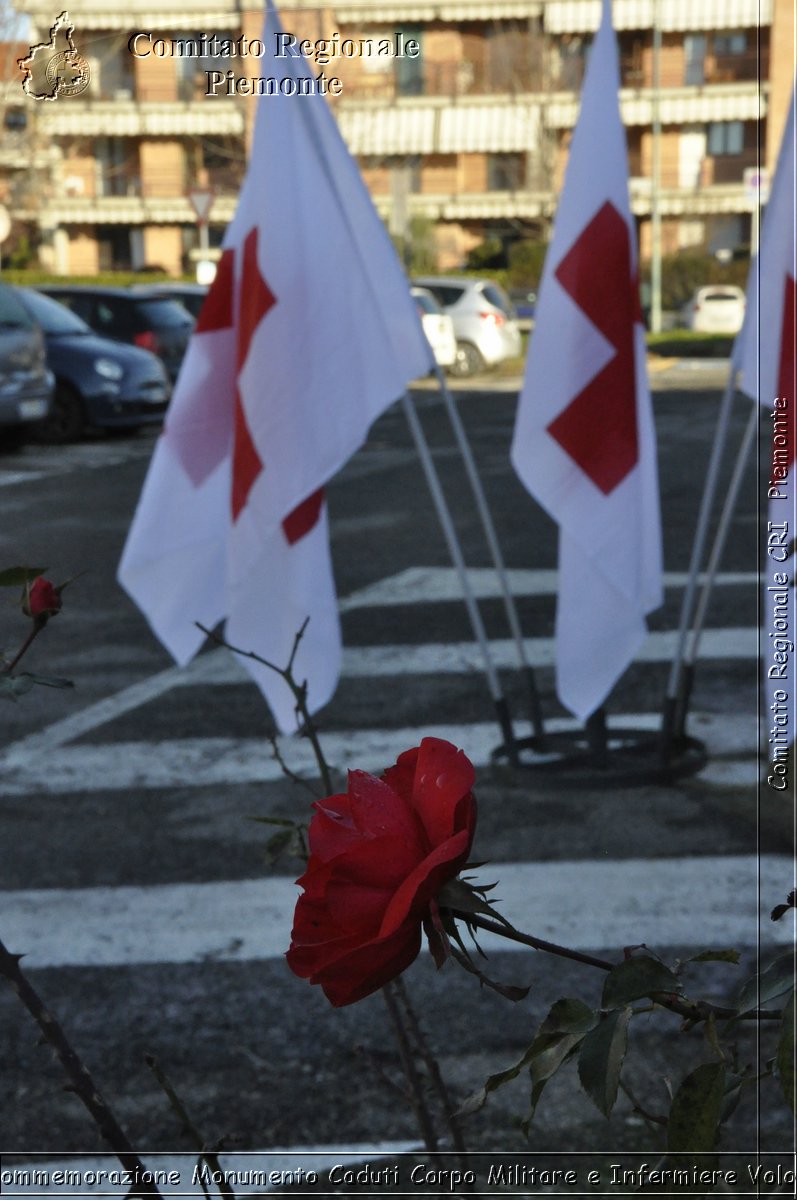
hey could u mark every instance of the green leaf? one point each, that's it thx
(785, 1055)
(19, 576)
(568, 1016)
(52, 681)
(696, 1109)
(776, 980)
(601, 1059)
(636, 978)
(731, 956)
(14, 686)
(559, 1034)
(277, 844)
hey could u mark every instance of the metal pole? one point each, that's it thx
(455, 550)
(655, 213)
(675, 684)
(495, 553)
(722, 531)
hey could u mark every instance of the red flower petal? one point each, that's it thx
(379, 810)
(443, 778)
(369, 967)
(412, 898)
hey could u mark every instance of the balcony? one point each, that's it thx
(132, 210)
(677, 106)
(124, 117)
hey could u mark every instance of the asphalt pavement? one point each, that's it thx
(138, 886)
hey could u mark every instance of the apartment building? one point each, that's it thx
(471, 133)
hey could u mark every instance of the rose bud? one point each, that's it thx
(43, 599)
(379, 855)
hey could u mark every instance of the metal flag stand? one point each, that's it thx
(673, 740)
(538, 739)
(455, 550)
(594, 754)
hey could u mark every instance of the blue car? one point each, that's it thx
(99, 383)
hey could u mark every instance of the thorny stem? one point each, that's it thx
(410, 1070)
(81, 1082)
(692, 1010)
(299, 691)
(35, 630)
(190, 1128)
(651, 1118)
(432, 1066)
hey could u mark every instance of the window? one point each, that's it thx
(726, 44)
(409, 71)
(505, 172)
(695, 54)
(725, 137)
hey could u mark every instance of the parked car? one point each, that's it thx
(524, 303)
(437, 325)
(143, 317)
(190, 295)
(715, 309)
(26, 382)
(484, 320)
(98, 382)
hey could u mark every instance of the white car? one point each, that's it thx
(717, 309)
(438, 327)
(484, 320)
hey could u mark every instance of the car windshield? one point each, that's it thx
(12, 314)
(495, 296)
(163, 314)
(54, 318)
(426, 302)
(722, 296)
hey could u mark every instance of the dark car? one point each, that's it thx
(144, 317)
(190, 295)
(98, 382)
(26, 383)
(525, 304)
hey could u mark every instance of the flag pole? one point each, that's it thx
(673, 700)
(717, 549)
(455, 550)
(535, 707)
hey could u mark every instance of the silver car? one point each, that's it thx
(485, 325)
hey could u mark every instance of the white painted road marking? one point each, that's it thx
(584, 905)
(219, 668)
(211, 762)
(430, 585)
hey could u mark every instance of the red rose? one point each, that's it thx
(43, 599)
(378, 857)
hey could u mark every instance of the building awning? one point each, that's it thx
(490, 128)
(684, 106)
(417, 11)
(583, 16)
(386, 131)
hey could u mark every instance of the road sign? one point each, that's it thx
(201, 200)
(756, 184)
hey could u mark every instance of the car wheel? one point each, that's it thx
(13, 437)
(467, 362)
(66, 420)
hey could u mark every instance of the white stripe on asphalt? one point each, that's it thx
(215, 761)
(220, 667)
(435, 585)
(86, 1178)
(584, 905)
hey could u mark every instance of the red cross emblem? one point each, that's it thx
(598, 429)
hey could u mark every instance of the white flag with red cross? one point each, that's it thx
(307, 335)
(765, 354)
(584, 442)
